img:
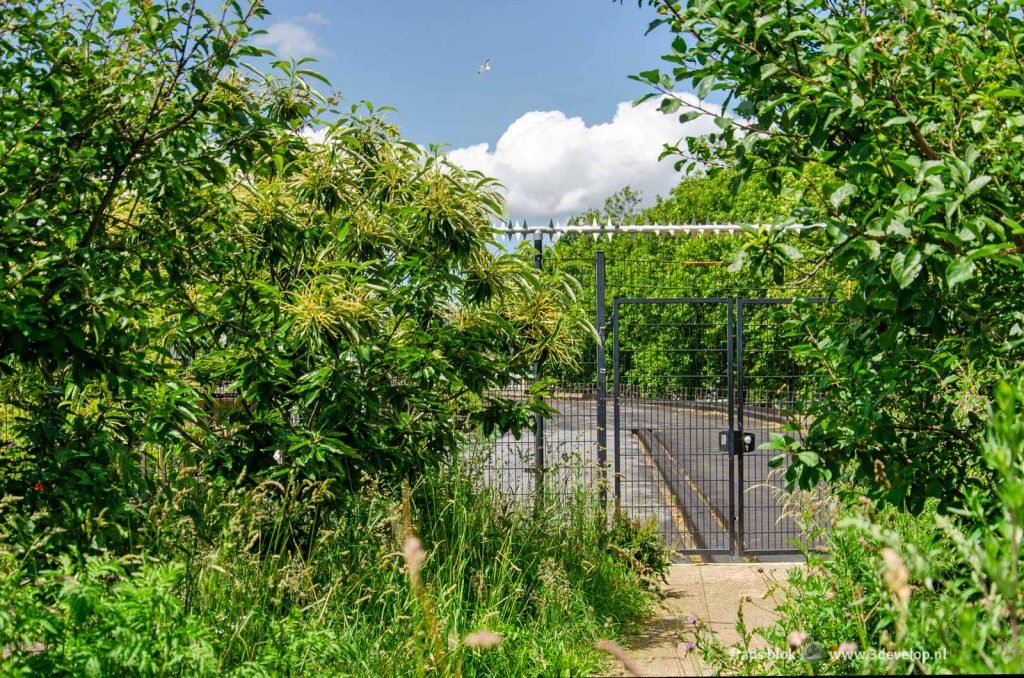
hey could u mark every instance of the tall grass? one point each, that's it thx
(304, 580)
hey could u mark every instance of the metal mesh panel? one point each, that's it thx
(772, 383)
(678, 358)
(507, 461)
(773, 386)
(569, 438)
(672, 398)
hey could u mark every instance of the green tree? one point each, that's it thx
(914, 110)
(719, 198)
(692, 266)
(168, 231)
(620, 207)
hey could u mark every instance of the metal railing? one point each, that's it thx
(700, 510)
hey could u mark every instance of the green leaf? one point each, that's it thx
(873, 249)
(789, 251)
(906, 266)
(857, 58)
(896, 120)
(842, 194)
(670, 105)
(976, 185)
(958, 271)
(724, 123)
(739, 258)
(705, 86)
(652, 76)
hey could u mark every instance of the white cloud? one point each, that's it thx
(554, 166)
(314, 136)
(293, 38)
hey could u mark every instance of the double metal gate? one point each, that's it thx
(698, 385)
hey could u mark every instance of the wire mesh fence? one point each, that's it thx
(690, 358)
(673, 383)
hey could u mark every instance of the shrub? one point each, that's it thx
(170, 231)
(917, 198)
(914, 593)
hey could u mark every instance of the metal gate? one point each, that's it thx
(698, 385)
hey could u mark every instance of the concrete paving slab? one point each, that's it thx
(711, 595)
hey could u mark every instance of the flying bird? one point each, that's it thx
(485, 66)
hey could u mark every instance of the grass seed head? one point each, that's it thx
(897, 578)
(614, 650)
(414, 555)
(483, 639)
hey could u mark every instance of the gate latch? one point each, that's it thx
(734, 441)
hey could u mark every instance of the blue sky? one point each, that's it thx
(556, 89)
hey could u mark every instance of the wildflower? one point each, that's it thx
(688, 646)
(483, 639)
(693, 619)
(795, 639)
(39, 487)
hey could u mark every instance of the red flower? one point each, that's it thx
(39, 487)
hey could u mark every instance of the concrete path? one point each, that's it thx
(712, 594)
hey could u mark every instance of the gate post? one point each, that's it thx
(616, 390)
(538, 430)
(734, 341)
(602, 394)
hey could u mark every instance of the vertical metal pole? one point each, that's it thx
(602, 394)
(615, 395)
(538, 431)
(729, 352)
(737, 447)
(730, 406)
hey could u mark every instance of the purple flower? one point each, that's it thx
(688, 646)
(693, 620)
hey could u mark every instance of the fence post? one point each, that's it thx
(538, 430)
(602, 374)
